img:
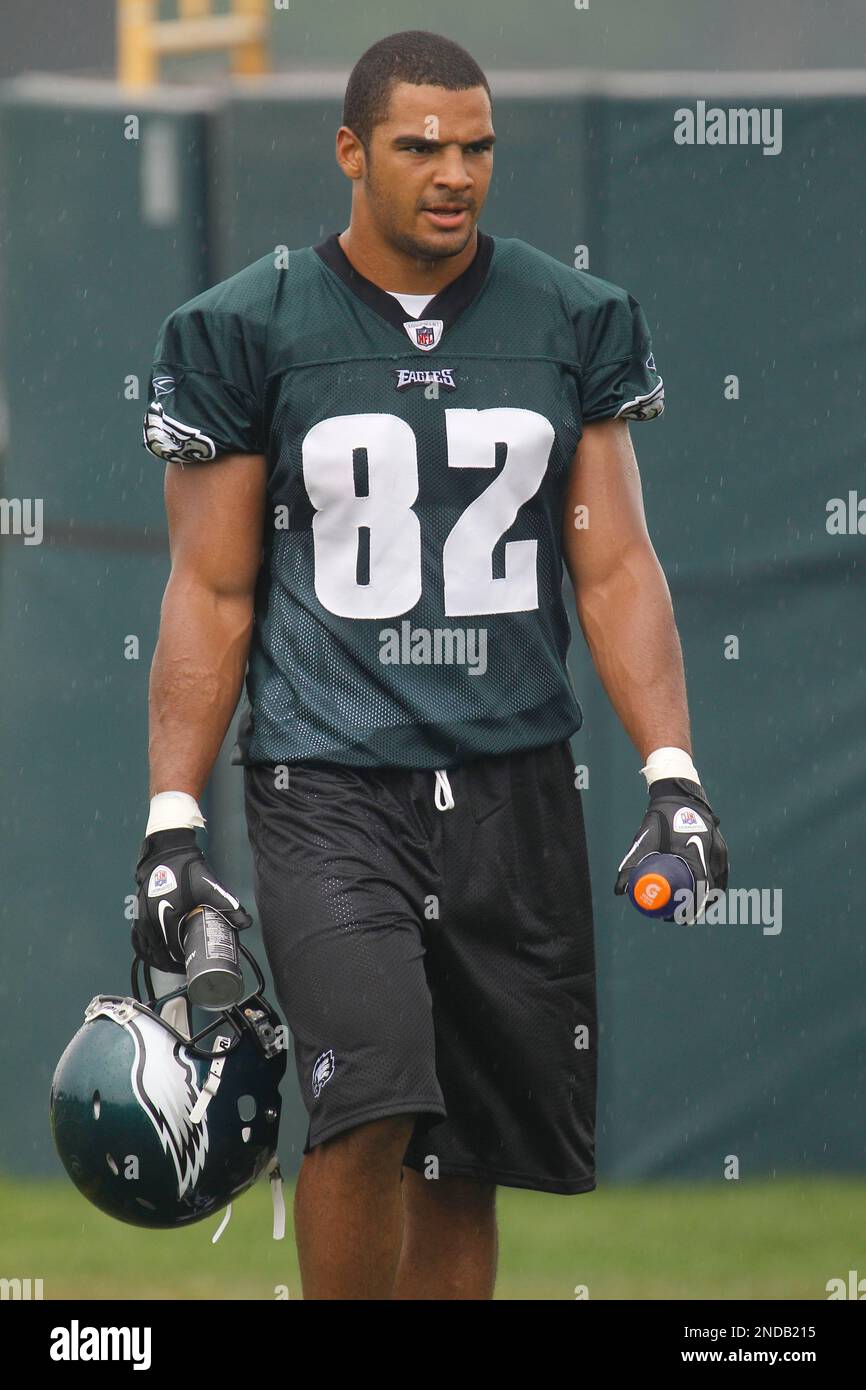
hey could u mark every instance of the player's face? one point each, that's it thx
(429, 169)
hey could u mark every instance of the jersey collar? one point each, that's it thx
(447, 305)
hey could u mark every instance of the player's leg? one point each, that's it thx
(450, 1240)
(337, 883)
(510, 964)
(349, 1212)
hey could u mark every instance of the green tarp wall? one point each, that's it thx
(716, 1040)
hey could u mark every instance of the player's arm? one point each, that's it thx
(215, 529)
(205, 421)
(215, 518)
(622, 598)
(625, 613)
(623, 602)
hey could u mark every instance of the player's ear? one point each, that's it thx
(350, 153)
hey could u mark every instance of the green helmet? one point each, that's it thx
(159, 1128)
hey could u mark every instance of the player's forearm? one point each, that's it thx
(195, 682)
(629, 626)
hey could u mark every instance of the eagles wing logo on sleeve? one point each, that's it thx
(644, 407)
(172, 441)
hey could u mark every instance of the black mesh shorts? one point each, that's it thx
(437, 962)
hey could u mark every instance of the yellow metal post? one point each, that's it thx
(136, 59)
(248, 59)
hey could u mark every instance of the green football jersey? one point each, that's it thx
(409, 608)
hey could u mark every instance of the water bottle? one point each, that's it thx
(654, 883)
(214, 977)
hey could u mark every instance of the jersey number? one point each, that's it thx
(393, 529)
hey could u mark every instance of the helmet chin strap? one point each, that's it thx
(221, 1227)
(276, 1181)
(209, 1089)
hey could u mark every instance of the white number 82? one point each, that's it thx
(394, 529)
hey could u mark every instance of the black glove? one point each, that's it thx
(680, 820)
(173, 877)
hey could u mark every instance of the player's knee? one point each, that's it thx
(448, 1193)
(378, 1143)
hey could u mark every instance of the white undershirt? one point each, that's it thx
(414, 304)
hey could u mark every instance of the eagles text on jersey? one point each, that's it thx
(416, 471)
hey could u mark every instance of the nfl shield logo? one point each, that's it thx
(425, 333)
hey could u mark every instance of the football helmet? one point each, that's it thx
(161, 1127)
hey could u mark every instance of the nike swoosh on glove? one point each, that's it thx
(680, 820)
(173, 877)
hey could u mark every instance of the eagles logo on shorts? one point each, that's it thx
(172, 441)
(323, 1071)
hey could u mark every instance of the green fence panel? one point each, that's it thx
(715, 1040)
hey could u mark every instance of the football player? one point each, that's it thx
(377, 449)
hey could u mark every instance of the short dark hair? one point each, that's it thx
(414, 56)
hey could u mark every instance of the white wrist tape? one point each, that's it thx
(173, 811)
(669, 762)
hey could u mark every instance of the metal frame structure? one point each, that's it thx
(143, 38)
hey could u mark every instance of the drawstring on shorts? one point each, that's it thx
(443, 796)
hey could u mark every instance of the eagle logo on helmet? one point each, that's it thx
(163, 1082)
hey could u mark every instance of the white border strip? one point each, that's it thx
(642, 85)
(54, 88)
(560, 82)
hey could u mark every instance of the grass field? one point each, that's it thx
(771, 1240)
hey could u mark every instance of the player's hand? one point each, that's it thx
(680, 820)
(173, 877)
